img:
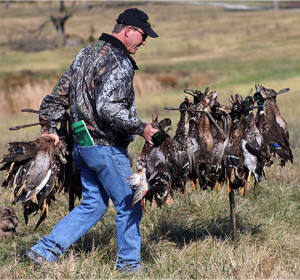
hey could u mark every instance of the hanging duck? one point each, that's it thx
(261, 124)
(251, 145)
(275, 133)
(193, 147)
(178, 157)
(233, 154)
(198, 96)
(205, 139)
(163, 169)
(207, 159)
(220, 125)
(22, 164)
(34, 171)
(153, 179)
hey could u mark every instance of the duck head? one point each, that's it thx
(247, 103)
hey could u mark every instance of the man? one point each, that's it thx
(98, 89)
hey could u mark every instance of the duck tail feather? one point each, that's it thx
(139, 183)
(138, 195)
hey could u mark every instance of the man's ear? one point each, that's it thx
(127, 30)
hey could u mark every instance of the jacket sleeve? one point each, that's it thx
(54, 106)
(115, 100)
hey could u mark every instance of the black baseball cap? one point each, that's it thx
(137, 18)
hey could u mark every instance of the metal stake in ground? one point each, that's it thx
(232, 216)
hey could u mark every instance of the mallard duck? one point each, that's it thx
(220, 125)
(261, 124)
(163, 125)
(233, 154)
(254, 160)
(8, 221)
(163, 168)
(69, 175)
(208, 150)
(153, 179)
(199, 138)
(159, 176)
(197, 95)
(275, 133)
(192, 148)
(179, 161)
(34, 172)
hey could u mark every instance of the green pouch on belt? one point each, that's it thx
(83, 136)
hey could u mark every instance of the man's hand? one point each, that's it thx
(54, 136)
(149, 132)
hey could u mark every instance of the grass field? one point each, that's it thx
(199, 46)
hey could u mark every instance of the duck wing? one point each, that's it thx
(160, 183)
(20, 151)
(140, 184)
(33, 170)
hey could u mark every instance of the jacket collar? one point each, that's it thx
(118, 44)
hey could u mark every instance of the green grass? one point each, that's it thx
(199, 46)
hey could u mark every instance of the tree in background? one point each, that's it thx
(59, 22)
(38, 39)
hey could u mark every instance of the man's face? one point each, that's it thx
(136, 38)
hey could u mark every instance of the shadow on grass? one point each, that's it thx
(175, 230)
(100, 236)
(181, 234)
(179, 229)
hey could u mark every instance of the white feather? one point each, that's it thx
(39, 187)
(140, 183)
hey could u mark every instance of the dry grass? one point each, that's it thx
(189, 240)
(27, 96)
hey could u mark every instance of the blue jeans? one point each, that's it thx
(104, 170)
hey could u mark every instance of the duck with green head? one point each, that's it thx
(153, 180)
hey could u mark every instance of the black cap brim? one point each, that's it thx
(150, 32)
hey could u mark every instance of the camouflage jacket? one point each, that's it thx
(98, 88)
